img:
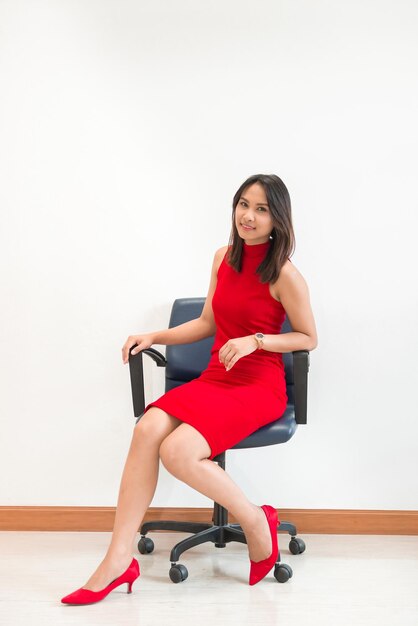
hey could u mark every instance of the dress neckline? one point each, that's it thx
(258, 249)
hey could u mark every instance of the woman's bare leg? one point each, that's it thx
(184, 453)
(139, 480)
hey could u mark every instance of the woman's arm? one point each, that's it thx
(291, 289)
(200, 328)
(184, 333)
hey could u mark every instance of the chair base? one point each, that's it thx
(220, 532)
(220, 535)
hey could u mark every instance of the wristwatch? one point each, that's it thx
(259, 337)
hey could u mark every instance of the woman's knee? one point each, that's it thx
(171, 455)
(154, 426)
(181, 449)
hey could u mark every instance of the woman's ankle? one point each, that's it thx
(247, 521)
(118, 553)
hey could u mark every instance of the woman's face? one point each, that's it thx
(253, 211)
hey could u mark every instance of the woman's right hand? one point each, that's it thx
(139, 341)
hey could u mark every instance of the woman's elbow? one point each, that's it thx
(209, 326)
(312, 343)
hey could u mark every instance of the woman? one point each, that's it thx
(253, 286)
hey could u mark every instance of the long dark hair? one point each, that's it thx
(282, 237)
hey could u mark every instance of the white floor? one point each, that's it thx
(340, 580)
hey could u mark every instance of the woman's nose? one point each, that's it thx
(249, 216)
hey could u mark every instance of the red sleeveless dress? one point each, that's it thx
(227, 406)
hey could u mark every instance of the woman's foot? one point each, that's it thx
(87, 596)
(260, 569)
(109, 569)
(258, 536)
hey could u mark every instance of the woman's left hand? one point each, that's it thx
(235, 349)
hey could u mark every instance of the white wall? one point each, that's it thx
(126, 128)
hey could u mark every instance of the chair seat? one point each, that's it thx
(279, 431)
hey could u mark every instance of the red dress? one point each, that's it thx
(227, 406)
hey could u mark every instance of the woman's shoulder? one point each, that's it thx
(289, 278)
(219, 256)
(221, 251)
(288, 270)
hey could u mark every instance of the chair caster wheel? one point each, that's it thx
(297, 545)
(145, 545)
(283, 572)
(178, 573)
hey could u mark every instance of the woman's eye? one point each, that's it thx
(261, 208)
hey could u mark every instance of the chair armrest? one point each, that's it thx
(300, 381)
(136, 371)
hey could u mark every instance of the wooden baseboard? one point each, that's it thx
(323, 521)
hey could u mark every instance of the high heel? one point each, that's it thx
(261, 569)
(86, 596)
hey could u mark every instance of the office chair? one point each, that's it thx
(184, 363)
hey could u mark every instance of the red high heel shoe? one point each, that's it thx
(86, 596)
(261, 569)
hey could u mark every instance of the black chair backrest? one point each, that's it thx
(187, 361)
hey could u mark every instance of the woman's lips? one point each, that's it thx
(247, 227)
